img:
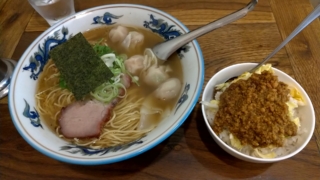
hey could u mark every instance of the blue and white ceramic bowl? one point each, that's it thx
(24, 80)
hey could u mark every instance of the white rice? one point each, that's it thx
(289, 144)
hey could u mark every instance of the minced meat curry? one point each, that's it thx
(255, 111)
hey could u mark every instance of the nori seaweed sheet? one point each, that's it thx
(80, 66)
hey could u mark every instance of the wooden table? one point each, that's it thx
(190, 153)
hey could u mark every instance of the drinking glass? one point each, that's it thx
(53, 10)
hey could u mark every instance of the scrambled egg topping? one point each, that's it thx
(295, 100)
(258, 153)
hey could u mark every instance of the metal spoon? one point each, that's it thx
(5, 73)
(312, 16)
(165, 49)
(6, 70)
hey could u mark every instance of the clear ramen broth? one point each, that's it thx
(141, 91)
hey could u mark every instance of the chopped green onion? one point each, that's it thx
(62, 83)
(101, 49)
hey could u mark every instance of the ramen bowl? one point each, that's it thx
(305, 113)
(39, 135)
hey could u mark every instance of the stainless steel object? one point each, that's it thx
(3, 74)
(312, 16)
(6, 70)
(165, 49)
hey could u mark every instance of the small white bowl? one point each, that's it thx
(306, 113)
(24, 81)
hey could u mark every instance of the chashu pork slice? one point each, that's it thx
(84, 119)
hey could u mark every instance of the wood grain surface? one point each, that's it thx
(190, 153)
(15, 16)
(303, 50)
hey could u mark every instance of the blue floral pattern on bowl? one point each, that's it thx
(40, 58)
(165, 30)
(85, 151)
(105, 19)
(183, 97)
(33, 116)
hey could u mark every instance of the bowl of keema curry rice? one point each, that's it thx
(260, 117)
